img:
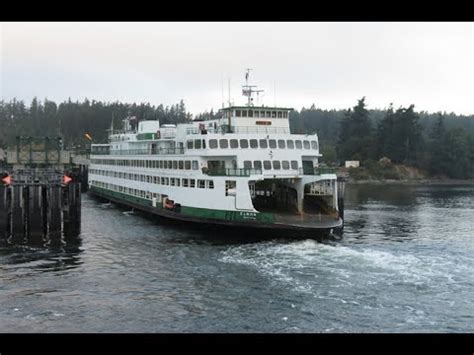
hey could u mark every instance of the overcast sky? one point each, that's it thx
(330, 64)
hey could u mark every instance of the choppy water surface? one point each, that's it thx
(405, 264)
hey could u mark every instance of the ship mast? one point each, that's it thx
(248, 90)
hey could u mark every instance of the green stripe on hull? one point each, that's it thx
(204, 213)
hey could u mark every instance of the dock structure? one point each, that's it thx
(40, 193)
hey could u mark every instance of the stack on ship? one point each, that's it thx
(244, 169)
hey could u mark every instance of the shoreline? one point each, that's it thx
(412, 182)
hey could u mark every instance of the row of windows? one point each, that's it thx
(126, 190)
(171, 181)
(155, 164)
(268, 165)
(261, 113)
(252, 143)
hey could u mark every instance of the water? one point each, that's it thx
(405, 264)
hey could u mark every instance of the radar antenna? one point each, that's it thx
(247, 90)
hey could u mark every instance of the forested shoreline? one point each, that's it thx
(441, 144)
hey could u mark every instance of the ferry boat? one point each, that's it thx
(244, 169)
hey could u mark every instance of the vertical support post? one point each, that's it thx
(17, 216)
(4, 214)
(34, 215)
(54, 214)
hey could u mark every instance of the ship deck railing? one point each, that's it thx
(151, 151)
(316, 171)
(232, 172)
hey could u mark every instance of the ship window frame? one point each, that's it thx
(185, 182)
(285, 164)
(268, 114)
(257, 166)
(290, 144)
(267, 165)
(255, 143)
(201, 184)
(281, 144)
(274, 115)
(238, 113)
(314, 145)
(306, 144)
(244, 113)
(247, 164)
(213, 143)
(197, 144)
(272, 143)
(276, 164)
(192, 183)
(195, 165)
(280, 114)
(233, 143)
(263, 143)
(245, 145)
(187, 165)
(210, 184)
(298, 144)
(225, 145)
(294, 164)
(256, 114)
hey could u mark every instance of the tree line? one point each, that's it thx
(439, 143)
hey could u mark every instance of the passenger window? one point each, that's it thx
(257, 164)
(267, 164)
(263, 143)
(192, 183)
(244, 113)
(298, 145)
(223, 143)
(237, 113)
(187, 165)
(213, 143)
(290, 144)
(244, 143)
(247, 164)
(234, 143)
(272, 143)
(294, 164)
(276, 165)
(253, 143)
(195, 165)
(197, 144)
(190, 144)
(281, 143)
(181, 165)
(273, 114)
(201, 184)
(285, 164)
(175, 164)
(256, 114)
(306, 144)
(280, 114)
(210, 184)
(269, 114)
(314, 145)
(250, 113)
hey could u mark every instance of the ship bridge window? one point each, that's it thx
(210, 184)
(272, 143)
(256, 114)
(170, 164)
(285, 114)
(192, 183)
(250, 113)
(306, 144)
(267, 164)
(197, 144)
(280, 114)
(213, 143)
(269, 114)
(285, 164)
(190, 145)
(253, 143)
(234, 143)
(195, 165)
(281, 143)
(314, 145)
(290, 144)
(298, 145)
(181, 165)
(238, 113)
(223, 143)
(263, 143)
(294, 164)
(274, 114)
(201, 184)
(257, 164)
(247, 164)
(244, 113)
(185, 182)
(244, 143)
(276, 165)
(187, 165)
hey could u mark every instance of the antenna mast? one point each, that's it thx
(247, 90)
